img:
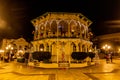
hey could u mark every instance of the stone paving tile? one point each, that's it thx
(18, 76)
(52, 77)
(95, 72)
(105, 76)
(71, 74)
(92, 77)
(105, 71)
(60, 74)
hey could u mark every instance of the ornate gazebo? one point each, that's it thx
(61, 34)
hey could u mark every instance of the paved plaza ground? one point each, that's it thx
(102, 71)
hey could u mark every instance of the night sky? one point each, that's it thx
(15, 15)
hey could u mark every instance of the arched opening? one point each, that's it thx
(78, 30)
(79, 47)
(54, 51)
(73, 47)
(53, 28)
(42, 28)
(63, 28)
(47, 47)
(48, 29)
(73, 28)
(41, 47)
(82, 31)
(83, 48)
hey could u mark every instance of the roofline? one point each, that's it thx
(62, 13)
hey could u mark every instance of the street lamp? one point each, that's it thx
(90, 50)
(106, 48)
(1, 55)
(9, 49)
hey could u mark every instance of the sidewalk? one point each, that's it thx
(83, 72)
(54, 72)
(60, 65)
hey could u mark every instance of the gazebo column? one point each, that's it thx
(57, 54)
(37, 47)
(89, 48)
(57, 41)
(80, 33)
(34, 47)
(86, 48)
(85, 36)
(69, 48)
(81, 48)
(77, 47)
(50, 47)
(44, 47)
(45, 31)
(38, 31)
(68, 29)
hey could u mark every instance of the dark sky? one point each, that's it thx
(15, 15)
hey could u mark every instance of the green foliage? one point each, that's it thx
(21, 60)
(41, 56)
(91, 55)
(26, 55)
(79, 55)
(37, 56)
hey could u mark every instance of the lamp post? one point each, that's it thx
(1, 55)
(106, 48)
(9, 49)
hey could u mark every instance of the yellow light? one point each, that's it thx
(72, 30)
(7, 48)
(20, 51)
(41, 49)
(90, 50)
(2, 24)
(1, 51)
(106, 47)
(109, 47)
(11, 48)
(103, 47)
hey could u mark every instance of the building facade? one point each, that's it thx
(113, 40)
(61, 34)
(17, 45)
